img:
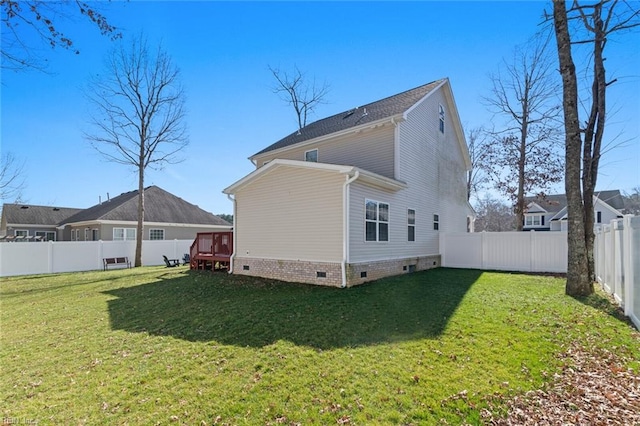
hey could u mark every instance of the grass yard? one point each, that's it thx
(169, 346)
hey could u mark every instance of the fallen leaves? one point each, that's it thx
(593, 387)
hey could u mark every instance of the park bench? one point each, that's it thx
(116, 261)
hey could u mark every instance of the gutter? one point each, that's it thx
(345, 226)
(233, 255)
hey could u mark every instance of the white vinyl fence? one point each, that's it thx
(506, 251)
(69, 256)
(617, 262)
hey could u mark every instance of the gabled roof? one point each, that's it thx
(27, 214)
(556, 203)
(369, 113)
(159, 206)
(364, 176)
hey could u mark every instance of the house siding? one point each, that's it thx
(291, 214)
(368, 149)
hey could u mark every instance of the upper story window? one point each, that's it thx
(156, 234)
(411, 225)
(436, 222)
(124, 234)
(533, 220)
(441, 118)
(311, 155)
(376, 221)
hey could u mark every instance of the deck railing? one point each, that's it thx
(211, 247)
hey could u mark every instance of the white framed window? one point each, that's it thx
(21, 233)
(441, 118)
(598, 216)
(436, 222)
(156, 234)
(86, 234)
(95, 235)
(533, 220)
(411, 225)
(311, 155)
(46, 235)
(77, 236)
(376, 221)
(124, 234)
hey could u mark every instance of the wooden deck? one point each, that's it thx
(211, 250)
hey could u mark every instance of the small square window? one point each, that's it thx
(311, 156)
(156, 234)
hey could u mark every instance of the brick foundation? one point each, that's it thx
(329, 273)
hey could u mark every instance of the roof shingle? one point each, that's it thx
(384, 108)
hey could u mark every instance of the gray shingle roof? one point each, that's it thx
(384, 108)
(159, 206)
(555, 203)
(27, 214)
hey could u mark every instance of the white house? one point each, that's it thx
(549, 213)
(356, 196)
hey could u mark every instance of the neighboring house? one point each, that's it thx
(29, 222)
(167, 217)
(549, 213)
(356, 196)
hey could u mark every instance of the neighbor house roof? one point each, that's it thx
(27, 214)
(557, 202)
(378, 110)
(159, 206)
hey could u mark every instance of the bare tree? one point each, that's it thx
(296, 91)
(30, 26)
(11, 177)
(632, 201)
(493, 216)
(598, 21)
(524, 154)
(477, 178)
(138, 117)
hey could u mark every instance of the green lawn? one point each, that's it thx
(168, 346)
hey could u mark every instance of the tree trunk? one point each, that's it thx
(140, 228)
(578, 281)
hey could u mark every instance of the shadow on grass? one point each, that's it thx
(606, 304)
(255, 312)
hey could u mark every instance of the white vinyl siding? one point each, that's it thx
(370, 149)
(291, 214)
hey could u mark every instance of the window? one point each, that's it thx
(77, 237)
(533, 220)
(124, 234)
(441, 118)
(411, 225)
(21, 233)
(95, 235)
(86, 234)
(46, 235)
(156, 234)
(436, 222)
(311, 156)
(376, 221)
(598, 217)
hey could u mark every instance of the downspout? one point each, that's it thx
(345, 226)
(233, 255)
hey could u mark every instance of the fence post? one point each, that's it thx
(627, 265)
(50, 256)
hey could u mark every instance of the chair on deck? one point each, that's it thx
(171, 262)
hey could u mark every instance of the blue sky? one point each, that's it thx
(364, 50)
